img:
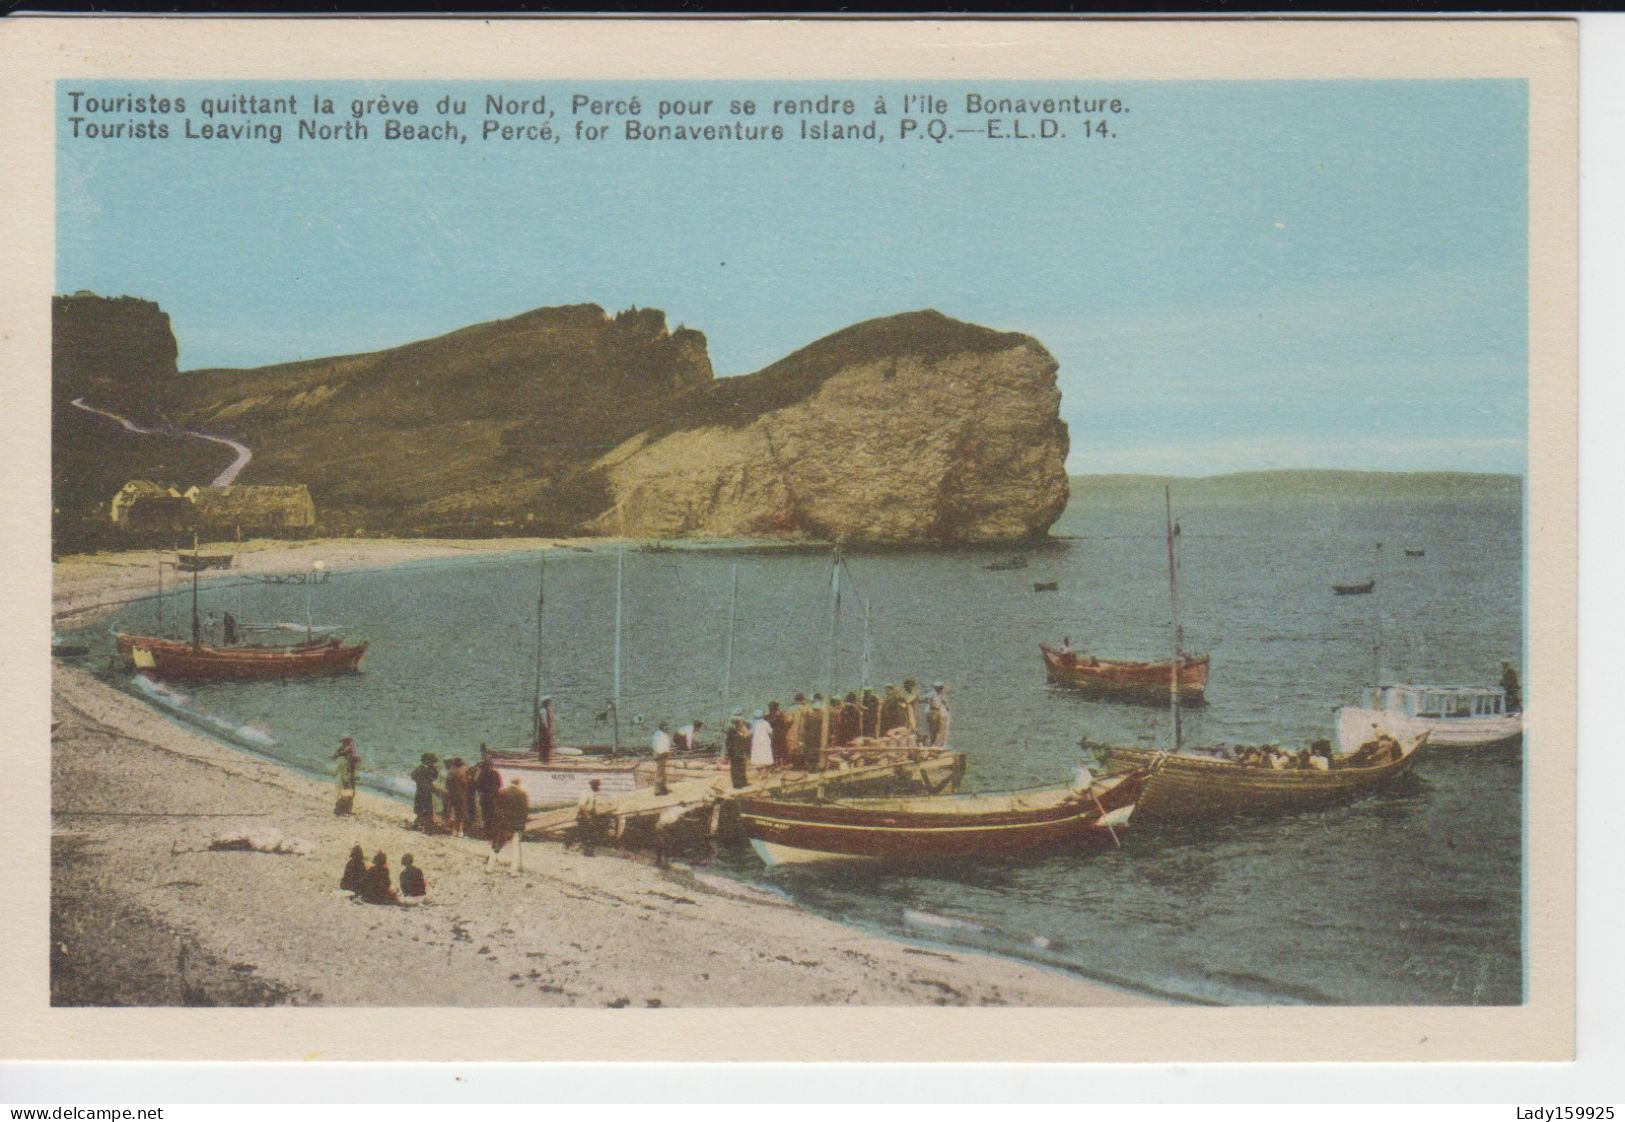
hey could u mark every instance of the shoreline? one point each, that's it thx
(142, 913)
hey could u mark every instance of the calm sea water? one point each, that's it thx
(1413, 896)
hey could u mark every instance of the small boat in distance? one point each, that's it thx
(1127, 679)
(941, 827)
(1007, 565)
(194, 562)
(1368, 586)
(1416, 553)
(1451, 716)
(1046, 585)
(1196, 784)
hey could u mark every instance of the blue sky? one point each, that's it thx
(1251, 275)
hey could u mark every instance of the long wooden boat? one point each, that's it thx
(1193, 785)
(168, 658)
(1127, 679)
(1452, 716)
(939, 828)
(1355, 589)
(566, 776)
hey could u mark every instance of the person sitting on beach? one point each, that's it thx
(413, 886)
(355, 871)
(375, 886)
(587, 818)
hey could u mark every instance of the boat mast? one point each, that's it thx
(615, 699)
(536, 697)
(834, 636)
(867, 651)
(1179, 637)
(160, 595)
(728, 655)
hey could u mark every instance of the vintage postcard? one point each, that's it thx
(829, 540)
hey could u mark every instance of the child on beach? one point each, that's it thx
(413, 886)
(349, 766)
(355, 871)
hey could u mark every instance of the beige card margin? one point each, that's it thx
(35, 52)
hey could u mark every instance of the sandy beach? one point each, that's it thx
(144, 913)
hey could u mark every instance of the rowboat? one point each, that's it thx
(1046, 585)
(1355, 589)
(169, 658)
(940, 828)
(1416, 553)
(197, 562)
(1126, 679)
(1192, 784)
(1008, 564)
(1452, 716)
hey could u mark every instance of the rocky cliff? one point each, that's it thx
(118, 353)
(912, 428)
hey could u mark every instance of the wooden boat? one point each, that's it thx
(1193, 784)
(563, 779)
(1355, 589)
(1416, 553)
(168, 658)
(196, 562)
(938, 828)
(1006, 565)
(1451, 716)
(195, 660)
(1046, 585)
(1127, 679)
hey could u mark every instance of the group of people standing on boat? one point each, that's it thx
(798, 736)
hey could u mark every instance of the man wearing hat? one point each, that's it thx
(940, 716)
(512, 817)
(348, 767)
(424, 776)
(736, 743)
(799, 713)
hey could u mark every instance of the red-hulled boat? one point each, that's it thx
(169, 658)
(199, 661)
(941, 827)
(1127, 679)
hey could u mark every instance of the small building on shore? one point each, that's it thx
(234, 511)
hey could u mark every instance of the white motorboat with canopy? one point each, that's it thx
(1452, 716)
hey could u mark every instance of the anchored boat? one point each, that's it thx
(1195, 784)
(196, 660)
(1451, 716)
(1127, 679)
(940, 827)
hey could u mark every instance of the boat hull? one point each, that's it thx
(1119, 679)
(180, 661)
(1356, 726)
(940, 828)
(1185, 788)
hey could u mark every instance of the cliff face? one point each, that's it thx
(118, 353)
(910, 428)
(913, 428)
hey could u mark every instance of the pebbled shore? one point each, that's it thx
(143, 914)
